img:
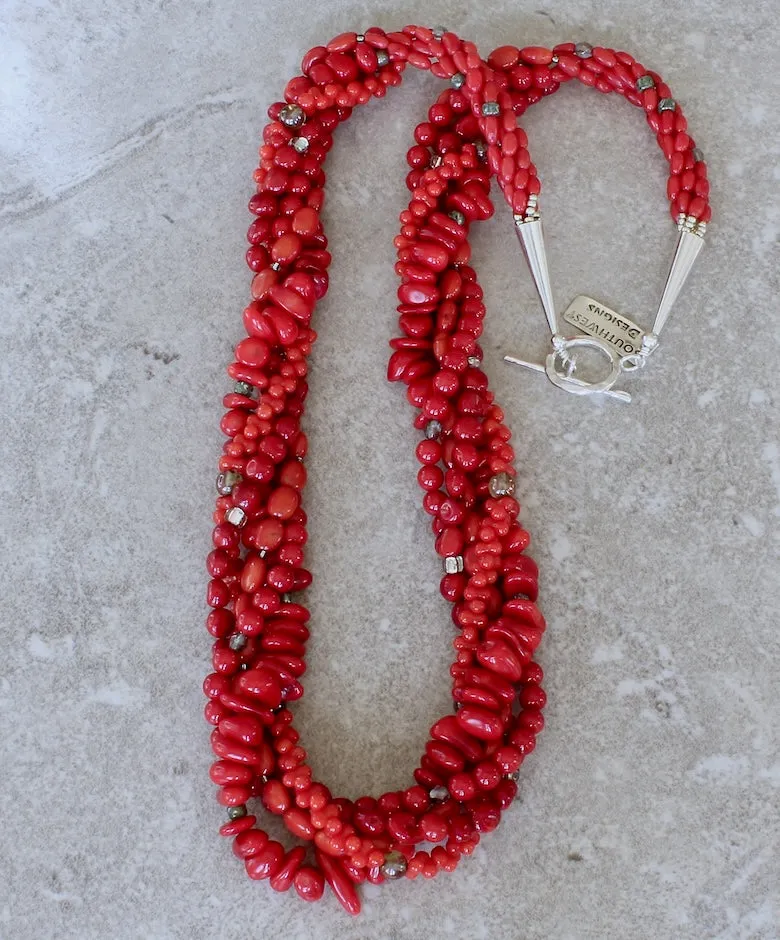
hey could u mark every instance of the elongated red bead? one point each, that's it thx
(339, 881)
(480, 723)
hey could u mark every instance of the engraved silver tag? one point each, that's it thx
(618, 332)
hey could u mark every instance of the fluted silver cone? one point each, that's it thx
(687, 251)
(531, 240)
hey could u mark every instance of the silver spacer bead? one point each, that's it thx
(439, 794)
(481, 147)
(243, 388)
(360, 38)
(698, 156)
(439, 31)
(649, 343)
(458, 80)
(453, 564)
(300, 144)
(531, 211)
(436, 160)
(491, 109)
(236, 812)
(394, 866)
(475, 362)
(514, 776)
(276, 266)
(502, 484)
(667, 104)
(236, 516)
(382, 58)
(553, 61)
(583, 50)
(644, 82)
(432, 430)
(237, 642)
(287, 598)
(226, 481)
(292, 115)
(687, 223)
(457, 216)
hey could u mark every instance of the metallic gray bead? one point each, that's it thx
(475, 362)
(432, 430)
(491, 109)
(453, 564)
(481, 147)
(667, 104)
(300, 144)
(287, 598)
(360, 38)
(394, 865)
(644, 82)
(292, 115)
(458, 80)
(237, 642)
(276, 266)
(382, 58)
(583, 50)
(553, 61)
(457, 216)
(236, 812)
(502, 484)
(514, 776)
(236, 516)
(226, 481)
(439, 794)
(243, 388)
(698, 156)
(436, 160)
(439, 31)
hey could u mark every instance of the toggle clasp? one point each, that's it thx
(560, 367)
(625, 346)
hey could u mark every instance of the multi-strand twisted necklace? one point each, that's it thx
(467, 774)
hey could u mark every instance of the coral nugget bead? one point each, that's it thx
(482, 724)
(309, 883)
(283, 502)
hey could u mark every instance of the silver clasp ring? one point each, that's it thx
(560, 366)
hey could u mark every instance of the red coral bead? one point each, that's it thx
(482, 724)
(266, 863)
(283, 502)
(309, 883)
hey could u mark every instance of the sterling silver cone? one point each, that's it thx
(686, 252)
(531, 240)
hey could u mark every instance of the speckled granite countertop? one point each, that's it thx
(650, 809)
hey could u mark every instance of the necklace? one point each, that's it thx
(468, 772)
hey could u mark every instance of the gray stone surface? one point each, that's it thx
(650, 809)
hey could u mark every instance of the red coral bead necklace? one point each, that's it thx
(467, 774)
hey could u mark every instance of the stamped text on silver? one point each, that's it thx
(617, 331)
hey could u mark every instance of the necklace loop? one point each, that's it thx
(467, 774)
